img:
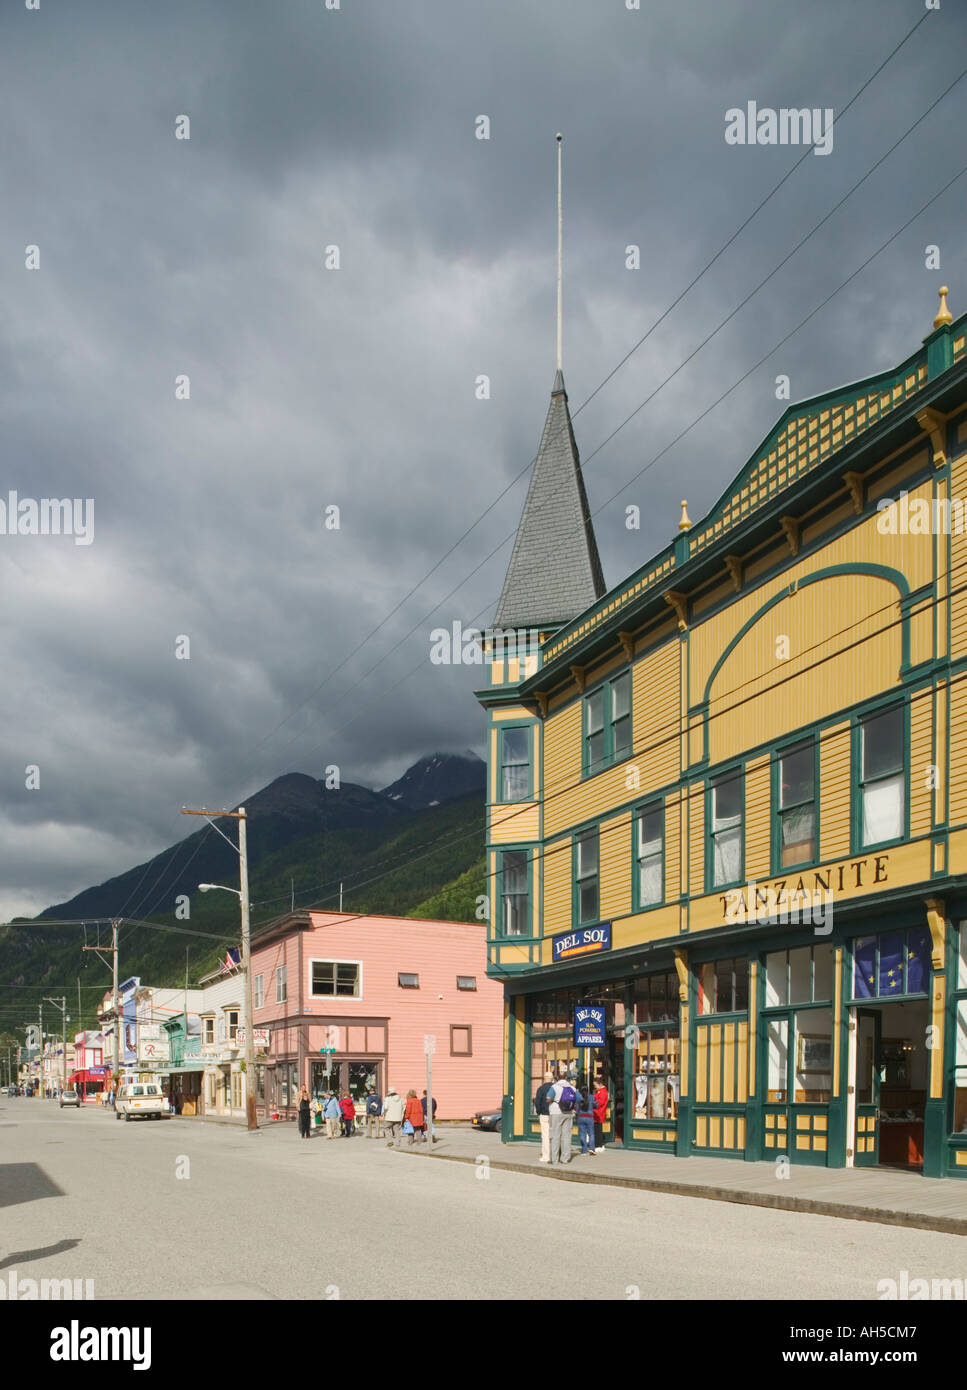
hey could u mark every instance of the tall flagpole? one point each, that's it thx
(560, 260)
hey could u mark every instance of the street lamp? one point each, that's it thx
(242, 894)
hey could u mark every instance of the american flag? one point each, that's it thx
(233, 957)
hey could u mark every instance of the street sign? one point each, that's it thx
(429, 1043)
(327, 1049)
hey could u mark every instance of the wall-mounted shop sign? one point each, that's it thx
(589, 1029)
(581, 942)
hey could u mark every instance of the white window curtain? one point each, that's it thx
(883, 810)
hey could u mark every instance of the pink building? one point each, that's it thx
(372, 988)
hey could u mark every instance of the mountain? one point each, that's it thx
(437, 778)
(390, 854)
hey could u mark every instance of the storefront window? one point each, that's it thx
(778, 1059)
(260, 1085)
(723, 986)
(325, 1078)
(814, 1056)
(556, 1055)
(960, 1070)
(656, 998)
(962, 966)
(657, 1074)
(800, 976)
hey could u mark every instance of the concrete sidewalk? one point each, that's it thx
(889, 1196)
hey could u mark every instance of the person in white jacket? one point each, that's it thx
(393, 1116)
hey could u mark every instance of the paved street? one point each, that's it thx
(272, 1216)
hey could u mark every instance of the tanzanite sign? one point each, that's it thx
(589, 1025)
(582, 942)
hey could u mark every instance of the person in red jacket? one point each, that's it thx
(600, 1110)
(348, 1108)
(413, 1112)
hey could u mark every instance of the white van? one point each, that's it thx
(142, 1100)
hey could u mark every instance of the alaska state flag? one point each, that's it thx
(918, 960)
(864, 957)
(892, 948)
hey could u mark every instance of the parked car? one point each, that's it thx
(486, 1119)
(142, 1100)
(70, 1098)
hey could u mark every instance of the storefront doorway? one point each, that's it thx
(888, 1072)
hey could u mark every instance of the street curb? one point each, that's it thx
(946, 1225)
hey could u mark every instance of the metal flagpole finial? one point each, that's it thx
(560, 260)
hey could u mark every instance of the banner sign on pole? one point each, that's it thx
(589, 1025)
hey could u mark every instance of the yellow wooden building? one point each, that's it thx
(728, 797)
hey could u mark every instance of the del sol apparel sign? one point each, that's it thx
(582, 942)
(589, 1026)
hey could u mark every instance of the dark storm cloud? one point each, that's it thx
(312, 387)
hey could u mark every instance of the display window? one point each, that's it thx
(723, 986)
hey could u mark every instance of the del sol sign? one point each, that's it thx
(582, 942)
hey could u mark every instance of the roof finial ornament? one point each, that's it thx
(560, 260)
(685, 524)
(943, 314)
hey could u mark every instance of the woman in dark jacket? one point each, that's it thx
(304, 1113)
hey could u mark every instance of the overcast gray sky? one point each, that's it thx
(312, 387)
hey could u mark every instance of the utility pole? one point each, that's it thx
(61, 1004)
(242, 894)
(40, 1088)
(114, 997)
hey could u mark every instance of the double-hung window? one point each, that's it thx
(649, 855)
(515, 765)
(258, 992)
(280, 984)
(725, 821)
(514, 893)
(882, 776)
(607, 724)
(796, 818)
(587, 886)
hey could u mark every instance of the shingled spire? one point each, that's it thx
(555, 570)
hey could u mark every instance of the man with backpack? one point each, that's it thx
(374, 1113)
(561, 1104)
(544, 1115)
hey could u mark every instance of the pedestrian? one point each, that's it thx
(374, 1114)
(423, 1106)
(393, 1110)
(561, 1103)
(304, 1113)
(331, 1114)
(348, 1108)
(414, 1117)
(585, 1116)
(600, 1111)
(544, 1115)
